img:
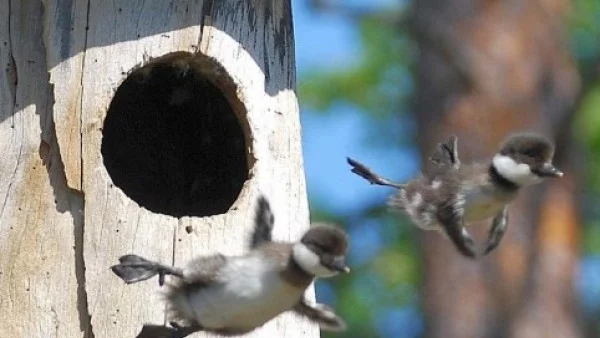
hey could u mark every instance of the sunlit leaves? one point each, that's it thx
(380, 84)
(395, 267)
(584, 24)
(587, 128)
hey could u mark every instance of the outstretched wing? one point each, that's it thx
(446, 154)
(263, 223)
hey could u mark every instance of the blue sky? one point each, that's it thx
(330, 41)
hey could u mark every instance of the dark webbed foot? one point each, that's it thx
(499, 227)
(463, 241)
(163, 331)
(133, 269)
(322, 314)
(156, 331)
(184, 331)
(369, 175)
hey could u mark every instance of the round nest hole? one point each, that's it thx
(171, 139)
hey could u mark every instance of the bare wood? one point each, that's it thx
(64, 38)
(40, 218)
(116, 225)
(264, 71)
(225, 233)
(43, 211)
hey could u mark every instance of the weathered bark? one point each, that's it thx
(40, 219)
(485, 69)
(63, 226)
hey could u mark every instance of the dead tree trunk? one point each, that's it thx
(487, 68)
(145, 127)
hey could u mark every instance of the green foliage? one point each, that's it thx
(587, 130)
(381, 85)
(591, 240)
(388, 280)
(584, 26)
(587, 127)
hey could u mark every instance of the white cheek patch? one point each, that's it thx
(310, 262)
(518, 173)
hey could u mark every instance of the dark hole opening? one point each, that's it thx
(171, 140)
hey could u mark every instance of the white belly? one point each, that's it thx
(253, 294)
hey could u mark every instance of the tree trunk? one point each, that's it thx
(485, 69)
(145, 127)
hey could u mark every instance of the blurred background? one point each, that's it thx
(383, 81)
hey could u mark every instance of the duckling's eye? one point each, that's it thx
(321, 247)
(531, 153)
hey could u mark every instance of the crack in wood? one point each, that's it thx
(85, 317)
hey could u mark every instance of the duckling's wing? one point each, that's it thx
(263, 223)
(446, 154)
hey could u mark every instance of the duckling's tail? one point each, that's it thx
(369, 175)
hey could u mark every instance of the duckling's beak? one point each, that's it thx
(338, 264)
(549, 170)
